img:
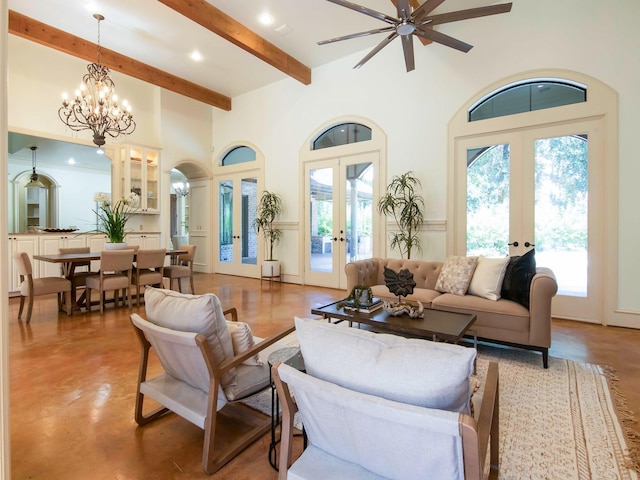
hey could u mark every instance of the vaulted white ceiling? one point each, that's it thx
(152, 33)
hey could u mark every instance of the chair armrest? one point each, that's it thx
(543, 289)
(258, 347)
(233, 312)
(362, 272)
(289, 408)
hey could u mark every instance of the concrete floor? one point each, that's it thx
(73, 383)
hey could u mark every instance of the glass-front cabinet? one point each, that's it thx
(140, 175)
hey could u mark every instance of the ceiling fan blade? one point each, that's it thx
(365, 10)
(404, 11)
(470, 13)
(425, 9)
(356, 35)
(378, 47)
(407, 48)
(443, 39)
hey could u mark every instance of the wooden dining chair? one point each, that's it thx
(81, 270)
(115, 275)
(31, 287)
(149, 269)
(184, 268)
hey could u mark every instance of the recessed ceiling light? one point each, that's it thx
(196, 56)
(265, 18)
(71, 161)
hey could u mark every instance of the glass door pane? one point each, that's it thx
(561, 210)
(358, 211)
(248, 234)
(321, 220)
(488, 202)
(225, 216)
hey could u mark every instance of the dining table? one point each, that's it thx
(69, 261)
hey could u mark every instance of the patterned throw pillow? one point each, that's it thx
(456, 274)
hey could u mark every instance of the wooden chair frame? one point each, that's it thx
(477, 436)
(259, 423)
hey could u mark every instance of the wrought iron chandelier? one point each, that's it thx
(181, 189)
(96, 106)
(34, 181)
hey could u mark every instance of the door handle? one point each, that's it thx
(335, 239)
(527, 244)
(515, 244)
(341, 239)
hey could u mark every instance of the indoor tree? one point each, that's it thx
(268, 210)
(404, 202)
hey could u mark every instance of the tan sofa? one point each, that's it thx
(502, 321)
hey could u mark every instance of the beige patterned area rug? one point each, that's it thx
(556, 423)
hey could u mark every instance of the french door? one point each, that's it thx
(339, 217)
(237, 199)
(538, 188)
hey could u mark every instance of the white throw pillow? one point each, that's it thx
(487, 278)
(193, 313)
(414, 371)
(456, 274)
(242, 339)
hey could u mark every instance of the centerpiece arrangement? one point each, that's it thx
(360, 299)
(401, 284)
(113, 217)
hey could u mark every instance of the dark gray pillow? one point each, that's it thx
(517, 278)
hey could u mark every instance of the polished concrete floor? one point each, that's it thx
(73, 383)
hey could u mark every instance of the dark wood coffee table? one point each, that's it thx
(436, 325)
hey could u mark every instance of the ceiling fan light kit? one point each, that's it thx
(419, 22)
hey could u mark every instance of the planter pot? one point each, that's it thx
(271, 268)
(115, 246)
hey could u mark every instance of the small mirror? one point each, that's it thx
(70, 173)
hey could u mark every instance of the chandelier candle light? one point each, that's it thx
(96, 106)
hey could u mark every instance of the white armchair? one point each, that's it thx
(360, 435)
(203, 376)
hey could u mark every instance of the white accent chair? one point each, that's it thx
(203, 377)
(361, 435)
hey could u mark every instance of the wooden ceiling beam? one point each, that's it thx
(30, 29)
(218, 22)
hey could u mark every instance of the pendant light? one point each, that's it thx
(34, 181)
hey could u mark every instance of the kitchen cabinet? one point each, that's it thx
(36, 207)
(140, 174)
(96, 244)
(144, 240)
(50, 244)
(21, 243)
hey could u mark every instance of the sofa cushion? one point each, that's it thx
(456, 274)
(414, 371)
(193, 313)
(242, 340)
(517, 278)
(487, 277)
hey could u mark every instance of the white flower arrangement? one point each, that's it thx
(113, 218)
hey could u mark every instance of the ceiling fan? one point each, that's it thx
(416, 21)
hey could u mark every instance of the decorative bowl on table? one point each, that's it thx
(58, 230)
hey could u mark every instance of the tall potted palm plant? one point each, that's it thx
(404, 202)
(269, 208)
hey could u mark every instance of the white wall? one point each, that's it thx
(414, 108)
